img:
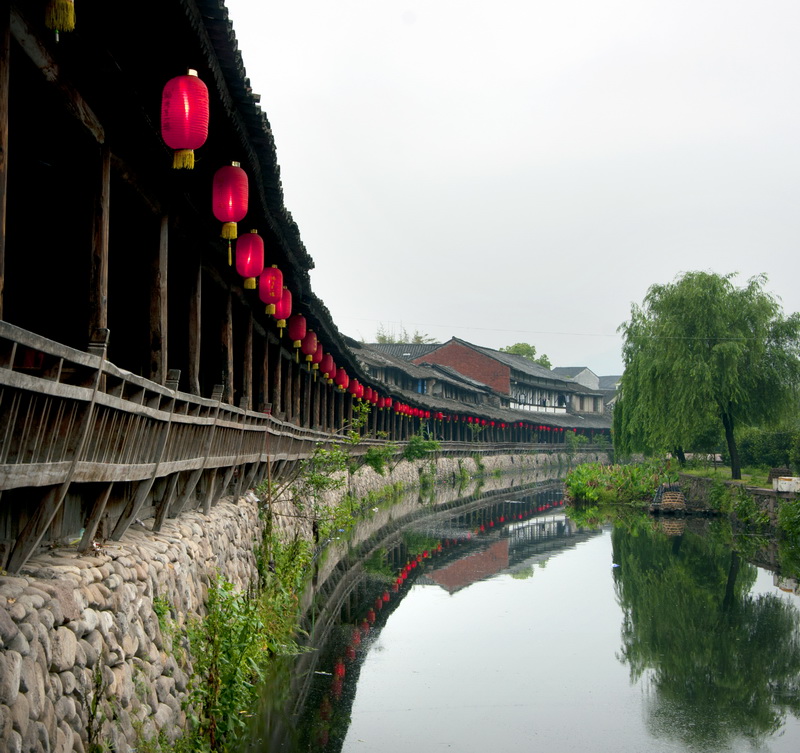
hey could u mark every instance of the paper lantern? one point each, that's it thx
(341, 379)
(184, 117)
(317, 357)
(296, 330)
(270, 288)
(283, 309)
(229, 194)
(250, 258)
(327, 367)
(308, 344)
(60, 16)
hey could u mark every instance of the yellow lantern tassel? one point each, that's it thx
(229, 230)
(270, 308)
(281, 326)
(249, 283)
(60, 15)
(296, 356)
(230, 255)
(183, 159)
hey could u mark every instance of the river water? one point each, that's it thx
(501, 623)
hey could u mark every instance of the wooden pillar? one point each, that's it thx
(322, 403)
(246, 399)
(158, 307)
(195, 301)
(98, 263)
(5, 68)
(340, 397)
(331, 398)
(277, 374)
(227, 350)
(287, 386)
(297, 379)
(264, 378)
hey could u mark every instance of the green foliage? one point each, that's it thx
(735, 500)
(391, 336)
(233, 644)
(605, 484)
(419, 446)
(702, 357)
(770, 448)
(378, 457)
(789, 518)
(95, 716)
(526, 350)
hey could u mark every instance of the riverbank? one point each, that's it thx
(92, 648)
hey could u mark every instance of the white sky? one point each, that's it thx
(520, 170)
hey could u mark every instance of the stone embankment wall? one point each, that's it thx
(74, 628)
(697, 491)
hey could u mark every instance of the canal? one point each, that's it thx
(508, 621)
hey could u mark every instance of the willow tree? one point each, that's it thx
(703, 356)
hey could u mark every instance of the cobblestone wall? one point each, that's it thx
(72, 626)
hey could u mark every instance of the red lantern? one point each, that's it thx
(250, 258)
(283, 309)
(229, 194)
(316, 358)
(341, 379)
(184, 117)
(297, 329)
(308, 344)
(388, 402)
(60, 16)
(327, 367)
(270, 288)
(353, 387)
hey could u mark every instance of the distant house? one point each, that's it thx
(609, 386)
(581, 374)
(523, 384)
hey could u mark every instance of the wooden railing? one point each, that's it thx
(84, 443)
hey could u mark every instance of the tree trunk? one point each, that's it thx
(736, 468)
(681, 456)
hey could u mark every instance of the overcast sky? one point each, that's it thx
(520, 170)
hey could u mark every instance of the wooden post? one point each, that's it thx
(287, 388)
(158, 307)
(195, 301)
(227, 350)
(264, 391)
(5, 65)
(277, 391)
(297, 387)
(98, 263)
(246, 398)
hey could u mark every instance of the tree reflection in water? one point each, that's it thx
(718, 662)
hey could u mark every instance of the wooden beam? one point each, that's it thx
(158, 306)
(162, 509)
(94, 518)
(98, 263)
(5, 66)
(36, 50)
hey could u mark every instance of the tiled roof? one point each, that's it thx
(407, 351)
